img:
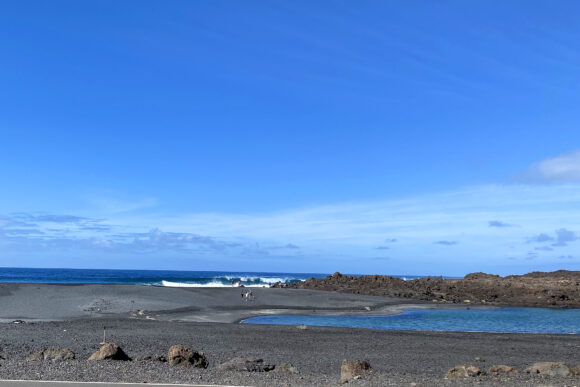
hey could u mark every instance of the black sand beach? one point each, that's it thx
(146, 321)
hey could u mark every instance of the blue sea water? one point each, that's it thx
(515, 320)
(149, 277)
(153, 277)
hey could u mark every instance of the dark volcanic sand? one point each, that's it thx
(398, 358)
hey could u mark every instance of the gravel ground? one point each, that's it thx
(398, 358)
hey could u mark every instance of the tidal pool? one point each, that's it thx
(514, 320)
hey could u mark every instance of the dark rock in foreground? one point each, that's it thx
(52, 355)
(556, 289)
(181, 355)
(109, 351)
(463, 371)
(246, 364)
(287, 368)
(353, 369)
(498, 370)
(548, 368)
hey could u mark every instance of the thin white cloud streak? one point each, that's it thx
(345, 236)
(563, 168)
(423, 218)
(112, 206)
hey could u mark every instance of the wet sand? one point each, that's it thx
(146, 321)
(49, 302)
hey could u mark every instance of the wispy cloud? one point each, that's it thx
(159, 240)
(561, 238)
(289, 246)
(531, 256)
(56, 218)
(497, 223)
(445, 243)
(331, 237)
(108, 205)
(95, 227)
(540, 238)
(563, 168)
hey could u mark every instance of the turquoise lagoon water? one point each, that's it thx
(515, 320)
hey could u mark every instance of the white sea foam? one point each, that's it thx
(213, 284)
(263, 280)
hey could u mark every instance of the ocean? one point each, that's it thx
(171, 278)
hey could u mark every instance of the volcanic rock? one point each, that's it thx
(247, 364)
(52, 354)
(109, 351)
(549, 368)
(181, 355)
(463, 371)
(353, 369)
(556, 289)
(287, 368)
(497, 370)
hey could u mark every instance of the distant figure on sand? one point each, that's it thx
(247, 295)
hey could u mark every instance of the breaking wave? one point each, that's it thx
(230, 281)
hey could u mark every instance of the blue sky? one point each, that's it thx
(366, 137)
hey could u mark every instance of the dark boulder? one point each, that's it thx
(110, 351)
(247, 364)
(181, 355)
(353, 369)
(549, 368)
(497, 370)
(52, 354)
(463, 371)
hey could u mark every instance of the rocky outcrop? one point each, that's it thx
(51, 354)
(549, 368)
(498, 370)
(463, 371)
(555, 289)
(353, 369)
(182, 355)
(109, 351)
(287, 368)
(246, 364)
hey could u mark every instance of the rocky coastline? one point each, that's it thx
(558, 289)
